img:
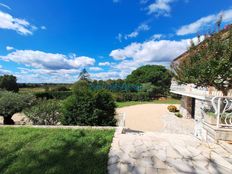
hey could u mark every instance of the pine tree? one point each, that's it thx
(84, 75)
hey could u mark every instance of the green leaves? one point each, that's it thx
(209, 64)
(11, 103)
(88, 108)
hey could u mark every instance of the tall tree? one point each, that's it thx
(157, 75)
(9, 83)
(209, 64)
(84, 75)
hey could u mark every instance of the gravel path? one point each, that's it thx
(145, 117)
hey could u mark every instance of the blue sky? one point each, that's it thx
(52, 41)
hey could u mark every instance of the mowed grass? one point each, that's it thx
(54, 151)
(131, 103)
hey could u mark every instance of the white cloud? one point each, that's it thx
(204, 22)
(50, 61)
(43, 28)
(107, 75)
(4, 71)
(157, 36)
(95, 69)
(5, 6)
(151, 51)
(21, 26)
(119, 37)
(136, 32)
(9, 48)
(160, 7)
(104, 64)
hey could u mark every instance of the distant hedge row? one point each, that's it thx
(130, 96)
(59, 95)
(119, 97)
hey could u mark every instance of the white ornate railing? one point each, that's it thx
(223, 110)
(192, 89)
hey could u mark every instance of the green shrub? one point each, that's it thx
(104, 108)
(11, 103)
(132, 96)
(9, 83)
(60, 88)
(59, 95)
(44, 113)
(178, 115)
(86, 108)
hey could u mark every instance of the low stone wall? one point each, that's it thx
(59, 127)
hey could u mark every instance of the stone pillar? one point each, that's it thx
(186, 107)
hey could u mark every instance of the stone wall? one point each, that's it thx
(186, 107)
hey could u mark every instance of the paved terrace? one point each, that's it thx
(169, 147)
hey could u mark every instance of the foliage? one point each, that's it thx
(59, 151)
(132, 96)
(209, 64)
(9, 83)
(178, 115)
(60, 88)
(11, 103)
(59, 95)
(44, 113)
(156, 75)
(87, 108)
(172, 108)
(84, 75)
(118, 85)
(104, 108)
(81, 85)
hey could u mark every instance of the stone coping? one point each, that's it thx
(60, 127)
(214, 127)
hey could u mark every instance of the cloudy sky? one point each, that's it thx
(52, 41)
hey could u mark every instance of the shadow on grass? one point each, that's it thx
(78, 152)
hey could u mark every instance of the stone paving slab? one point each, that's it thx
(161, 153)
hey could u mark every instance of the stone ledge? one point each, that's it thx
(59, 127)
(217, 133)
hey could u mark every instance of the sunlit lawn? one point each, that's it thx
(55, 151)
(131, 103)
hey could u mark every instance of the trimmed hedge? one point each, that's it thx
(59, 95)
(140, 96)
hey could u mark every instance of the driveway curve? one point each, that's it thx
(145, 117)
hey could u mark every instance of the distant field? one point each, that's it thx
(40, 89)
(131, 103)
(37, 89)
(30, 150)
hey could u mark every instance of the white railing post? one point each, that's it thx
(218, 112)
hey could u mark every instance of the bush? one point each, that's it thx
(130, 96)
(178, 115)
(11, 103)
(104, 108)
(60, 88)
(59, 95)
(9, 83)
(87, 108)
(172, 108)
(44, 113)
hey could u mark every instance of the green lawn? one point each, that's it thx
(131, 103)
(54, 151)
